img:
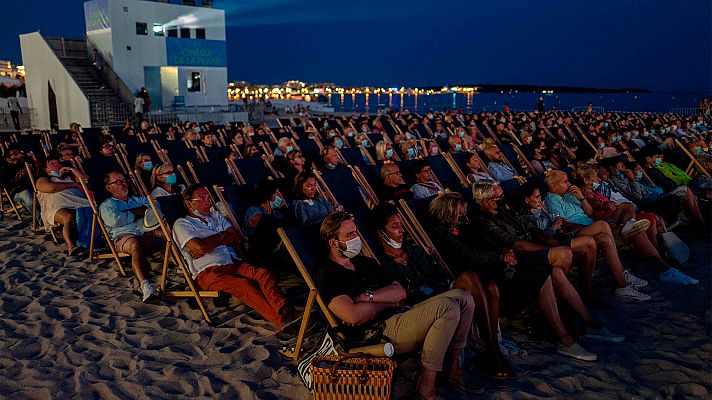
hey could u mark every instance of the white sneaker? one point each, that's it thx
(634, 280)
(630, 292)
(633, 227)
(149, 290)
(576, 351)
(675, 276)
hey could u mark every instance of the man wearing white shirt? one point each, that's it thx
(206, 240)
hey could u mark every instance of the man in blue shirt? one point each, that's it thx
(499, 170)
(123, 216)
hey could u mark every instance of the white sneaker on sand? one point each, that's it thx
(149, 290)
(676, 276)
(633, 227)
(630, 292)
(634, 280)
(576, 351)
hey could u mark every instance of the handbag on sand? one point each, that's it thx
(351, 377)
(675, 248)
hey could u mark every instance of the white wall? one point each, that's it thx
(43, 67)
(150, 50)
(213, 87)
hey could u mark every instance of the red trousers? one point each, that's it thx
(254, 286)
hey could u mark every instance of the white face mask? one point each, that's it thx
(387, 240)
(596, 185)
(353, 247)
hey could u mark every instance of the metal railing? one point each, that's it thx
(116, 114)
(690, 111)
(598, 110)
(26, 118)
(63, 47)
(110, 76)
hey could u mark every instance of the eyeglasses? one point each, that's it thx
(119, 181)
(428, 170)
(393, 173)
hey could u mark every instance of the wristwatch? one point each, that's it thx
(369, 294)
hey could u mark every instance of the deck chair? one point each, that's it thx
(96, 220)
(302, 244)
(693, 160)
(35, 206)
(172, 208)
(415, 215)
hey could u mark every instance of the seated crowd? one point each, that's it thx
(536, 195)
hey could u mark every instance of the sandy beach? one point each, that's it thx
(79, 330)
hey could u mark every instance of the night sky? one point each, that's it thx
(659, 45)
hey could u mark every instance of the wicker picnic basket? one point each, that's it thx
(351, 378)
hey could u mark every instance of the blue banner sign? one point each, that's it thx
(196, 52)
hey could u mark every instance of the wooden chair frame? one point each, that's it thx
(693, 160)
(35, 204)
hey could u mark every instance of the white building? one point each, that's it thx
(170, 49)
(176, 51)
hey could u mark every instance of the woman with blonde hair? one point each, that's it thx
(163, 181)
(384, 151)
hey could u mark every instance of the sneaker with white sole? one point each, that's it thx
(633, 227)
(630, 292)
(676, 276)
(634, 280)
(149, 290)
(576, 351)
(603, 334)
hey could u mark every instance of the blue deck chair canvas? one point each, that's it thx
(345, 189)
(252, 169)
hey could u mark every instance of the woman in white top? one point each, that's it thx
(163, 181)
(59, 195)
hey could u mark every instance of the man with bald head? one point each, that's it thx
(123, 216)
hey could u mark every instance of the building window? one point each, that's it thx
(172, 31)
(194, 82)
(141, 28)
(158, 29)
(200, 33)
(185, 33)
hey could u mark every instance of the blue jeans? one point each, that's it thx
(24, 198)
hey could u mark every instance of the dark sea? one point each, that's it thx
(524, 101)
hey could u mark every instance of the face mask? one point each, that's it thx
(197, 129)
(458, 147)
(332, 134)
(698, 150)
(627, 135)
(646, 133)
(326, 124)
(364, 143)
(276, 202)
(639, 174)
(636, 133)
(331, 166)
(290, 148)
(199, 214)
(148, 165)
(462, 134)
(619, 173)
(389, 153)
(596, 185)
(353, 247)
(411, 152)
(658, 161)
(387, 240)
(653, 131)
(601, 145)
(55, 174)
(606, 124)
(339, 143)
(614, 139)
(171, 179)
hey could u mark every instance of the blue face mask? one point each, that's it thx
(658, 161)
(596, 185)
(601, 145)
(198, 129)
(639, 174)
(389, 153)
(606, 124)
(364, 143)
(458, 147)
(148, 165)
(411, 152)
(171, 179)
(698, 150)
(290, 148)
(339, 143)
(462, 134)
(627, 135)
(276, 202)
(55, 174)
(619, 173)
(331, 166)
(614, 139)
(199, 214)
